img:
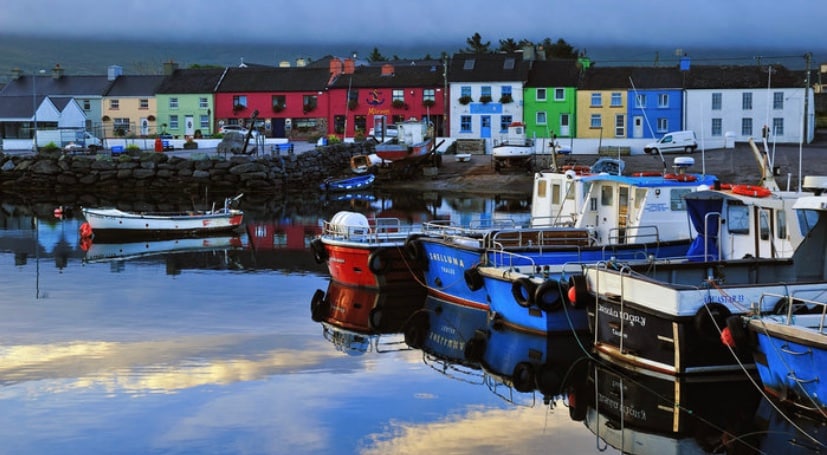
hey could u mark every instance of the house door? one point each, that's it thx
(144, 126)
(485, 126)
(637, 127)
(277, 127)
(564, 125)
(189, 126)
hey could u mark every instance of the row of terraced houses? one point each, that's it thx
(469, 96)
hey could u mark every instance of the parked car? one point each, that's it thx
(677, 141)
(235, 128)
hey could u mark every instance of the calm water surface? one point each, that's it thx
(214, 351)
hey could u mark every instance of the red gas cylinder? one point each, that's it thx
(159, 145)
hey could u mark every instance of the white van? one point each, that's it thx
(676, 141)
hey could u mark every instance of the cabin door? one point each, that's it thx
(637, 126)
(766, 234)
(564, 125)
(622, 213)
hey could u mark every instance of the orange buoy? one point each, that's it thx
(680, 177)
(751, 190)
(579, 169)
(59, 212)
(572, 295)
(647, 174)
(726, 186)
(85, 230)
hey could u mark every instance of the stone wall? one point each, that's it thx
(57, 171)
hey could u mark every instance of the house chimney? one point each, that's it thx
(684, 65)
(57, 72)
(350, 66)
(335, 67)
(387, 69)
(16, 73)
(301, 62)
(170, 67)
(113, 72)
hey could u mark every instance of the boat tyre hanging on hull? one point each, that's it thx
(523, 291)
(378, 262)
(319, 306)
(319, 252)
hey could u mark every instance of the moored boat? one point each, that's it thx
(112, 222)
(355, 183)
(415, 139)
(366, 252)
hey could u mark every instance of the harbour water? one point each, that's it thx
(210, 348)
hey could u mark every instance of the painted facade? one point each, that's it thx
(185, 101)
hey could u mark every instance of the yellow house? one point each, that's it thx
(601, 104)
(129, 108)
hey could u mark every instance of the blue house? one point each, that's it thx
(655, 102)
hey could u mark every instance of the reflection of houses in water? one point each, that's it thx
(282, 245)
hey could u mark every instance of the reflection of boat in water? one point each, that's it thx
(791, 434)
(642, 414)
(354, 318)
(442, 331)
(106, 252)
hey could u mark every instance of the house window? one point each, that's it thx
(279, 102)
(114, 104)
(239, 101)
(559, 94)
(352, 96)
(778, 100)
(429, 94)
(746, 101)
(173, 103)
(617, 99)
(716, 101)
(87, 105)
(204, 122)
(663, 100)
(620, 125)
(465, 124)
(746, 127)
(717, 127)
(541, 118)
(173, 122)
(640, 100)
(596, 121)
(143, 103)
(505, 120)
(465, 90)
(339, 124)
(541, 94)
(120, 126)
(203, 103)
(360, 123)
(596, 100)
(663, 124)
(398, 95)
(485, 94)
(778, 126)
(505, 90)
(309, 103)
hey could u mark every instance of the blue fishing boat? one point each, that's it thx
(355, 183)
(597, 218)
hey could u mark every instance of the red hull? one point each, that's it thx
(351, 308)
(370, 267)
(393, 152)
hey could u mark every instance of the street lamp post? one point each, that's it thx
(34, 108)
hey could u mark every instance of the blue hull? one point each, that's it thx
(442, 330)
(447, 264)
(792, 371)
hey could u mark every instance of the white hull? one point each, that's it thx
(110, 219)
(103, 252)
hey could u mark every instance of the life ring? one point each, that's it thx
(725, 186)
(578, 169)
(680, 177)
(647, 174)
(523, 291)
(549, 296)
(417, 330)
(710, 320)
(319, 306)
(86, 230)
(473, 279)
(319, 251)
(751, 190)
(577, 294)
(378, 262)
(475, 347)
(523, 377)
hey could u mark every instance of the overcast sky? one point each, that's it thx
(795, 25)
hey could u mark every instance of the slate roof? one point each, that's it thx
(274, 79)
(78, 86)
(487, 68)
(554, 73)
(624, 77)
(18, 106)
(135, 86)
(404, 75)
(736, 77)
(200, 80)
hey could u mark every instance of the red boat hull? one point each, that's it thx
(370, 266)
(393, 152)
(350, 308)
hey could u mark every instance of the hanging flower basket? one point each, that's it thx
(465, 99)
(505, 99)
(485, 99)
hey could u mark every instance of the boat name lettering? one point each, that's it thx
(738, 298)
(447, 342)
(337, 260)
(629, 411)
(657, 207)
(446, 259)
(631, 318)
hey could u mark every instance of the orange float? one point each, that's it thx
(751, 190)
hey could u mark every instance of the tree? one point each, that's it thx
(560, 49)
(508, 45)
(476, 46)
(376, 56)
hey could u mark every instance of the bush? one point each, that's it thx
(133, 148)
(189, 145)
(50, 147)
(333, 139)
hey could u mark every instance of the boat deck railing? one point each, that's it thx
(633, 234)
(796, 308)
(476, 229)
(539, 238)
(378, 230)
